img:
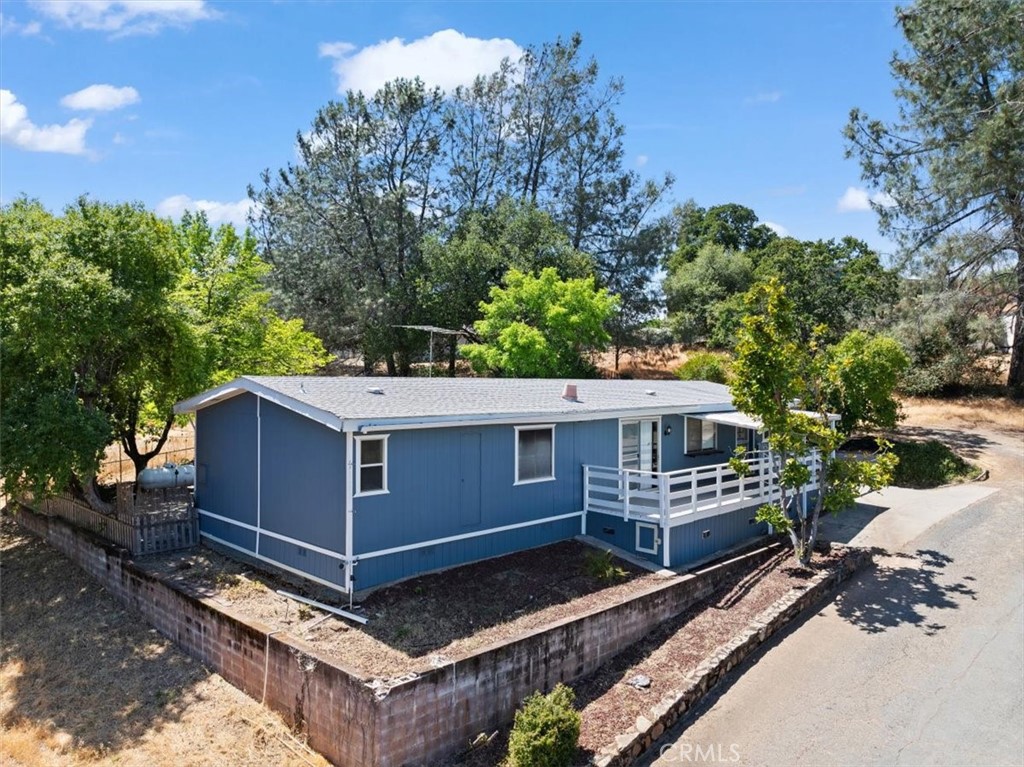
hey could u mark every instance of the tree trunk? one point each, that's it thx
(1015, 378)
(140, 459)
(453, 352)
(92, 495)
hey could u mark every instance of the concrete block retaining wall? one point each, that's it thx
(417, 720)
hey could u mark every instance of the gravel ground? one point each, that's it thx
(449, 614)
(610, 706)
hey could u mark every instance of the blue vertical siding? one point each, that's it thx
(380, 570)
(688, 543)
(301, 482)
(302, 478)
(302, 492)
(226, 467)
(301, 558)
(426, 499)
(442, 482)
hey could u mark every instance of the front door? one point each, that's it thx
(639, 443)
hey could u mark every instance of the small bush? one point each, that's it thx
(706, 366)
(929, 464)
(546, 730)
(601, 565)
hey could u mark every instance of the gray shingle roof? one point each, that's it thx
(353, 399)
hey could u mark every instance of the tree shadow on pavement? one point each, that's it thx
(967, 444)
(902, 589)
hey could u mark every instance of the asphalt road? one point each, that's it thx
(918, 661)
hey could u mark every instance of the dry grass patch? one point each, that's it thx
(1000, 413)
(85, 682)
(648, 363)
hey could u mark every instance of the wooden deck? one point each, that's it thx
(677, 497)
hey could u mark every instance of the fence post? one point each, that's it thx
(625, 496)
(586, 497)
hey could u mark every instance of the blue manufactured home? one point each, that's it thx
(358, 482)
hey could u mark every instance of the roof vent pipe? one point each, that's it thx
(569, 392)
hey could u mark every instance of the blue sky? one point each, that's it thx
(183, 102)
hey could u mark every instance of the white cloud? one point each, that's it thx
(447, 58)
(234, 213)
(641, 160)
(125, 17)
(101, 98)
(119, 139)
(779, 229)
(11, 26)
(17, 129)
(765, 97)
(857, 199)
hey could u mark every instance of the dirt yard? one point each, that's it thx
(445, 614)
(85, 682)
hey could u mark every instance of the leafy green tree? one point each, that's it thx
(695, 289)
(864, 372)
(776, 368)
(732, 226)
(460, 270)
(222, 290)
(109, 315)
(842, 285)
(540, 326)
(91, 337)
(953, 160)
(706, 366)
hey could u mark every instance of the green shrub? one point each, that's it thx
(601, 565)
(706, 366)
(546, 730)
(929, 464)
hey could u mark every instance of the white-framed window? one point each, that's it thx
(647, 538)
(701, 436)
(535, 453)
(371, 465)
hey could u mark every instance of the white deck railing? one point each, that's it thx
(676, 497)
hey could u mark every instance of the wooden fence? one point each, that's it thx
(168, 527)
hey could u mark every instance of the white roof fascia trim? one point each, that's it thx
(239, 385)
(365, 426)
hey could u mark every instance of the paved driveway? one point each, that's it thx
(919, 660)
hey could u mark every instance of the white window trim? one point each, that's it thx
(359, 464)
(686, 436)
(661, 444)
(534, 427)
(655, 528)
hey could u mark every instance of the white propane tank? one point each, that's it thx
(167, 476)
